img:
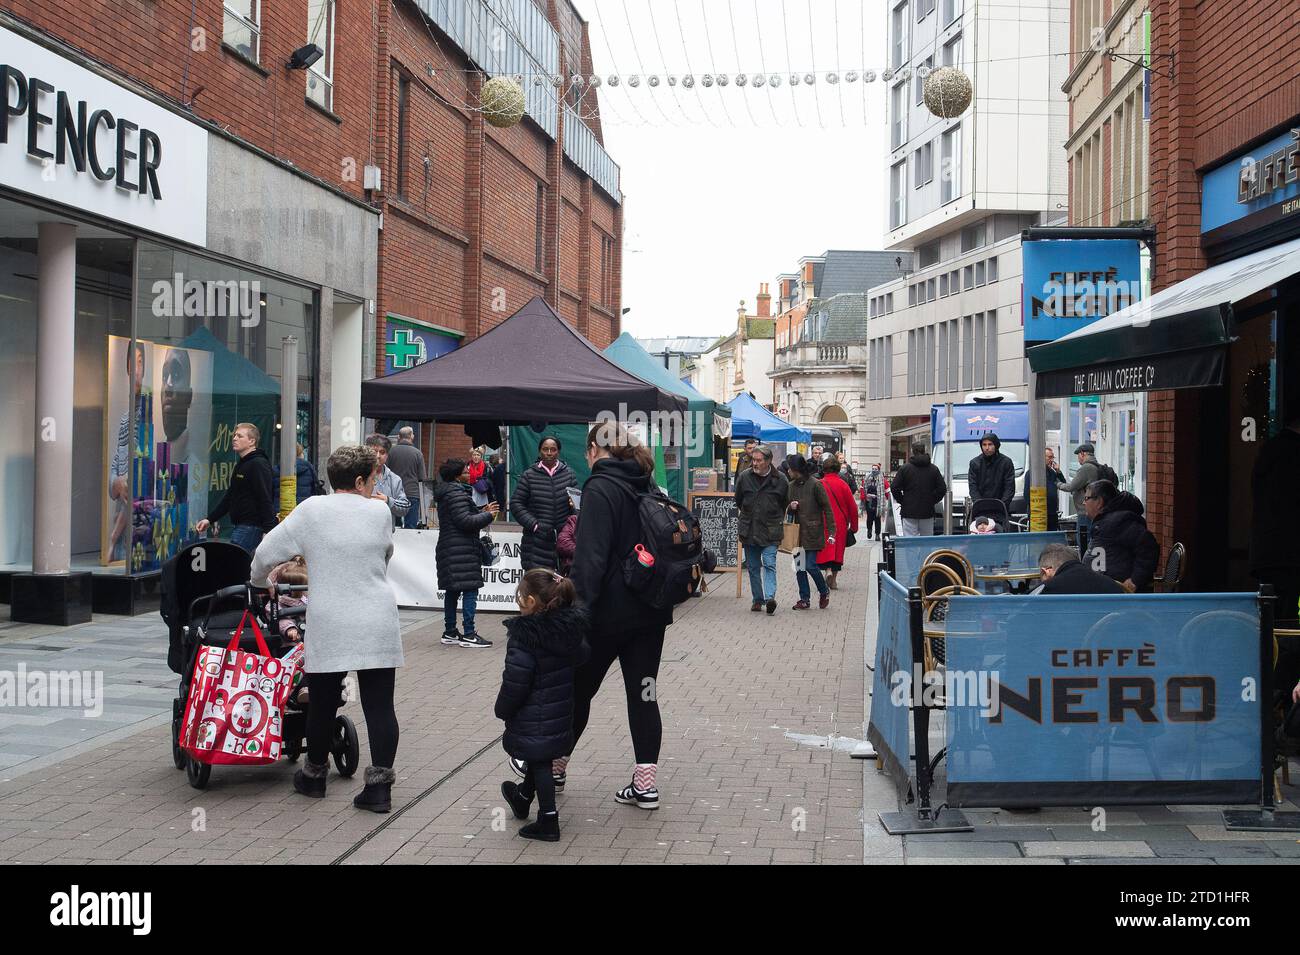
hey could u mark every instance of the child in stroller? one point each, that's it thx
(204, 595)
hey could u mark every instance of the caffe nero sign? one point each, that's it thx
(73, 137)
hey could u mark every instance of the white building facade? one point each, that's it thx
(961, 192)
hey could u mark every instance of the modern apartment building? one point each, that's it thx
(961, 192)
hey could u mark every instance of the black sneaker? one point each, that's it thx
(545, 829)
(452, 639)
(771, 607)
(473, 640)
(642, 798)
(519, 767)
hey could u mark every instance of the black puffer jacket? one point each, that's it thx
(458, 554)
(991, 478)
(608, 530)
(918, 487)
(540, 499)
(1120, 546)
(536, 698)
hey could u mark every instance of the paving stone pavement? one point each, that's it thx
(759, 713)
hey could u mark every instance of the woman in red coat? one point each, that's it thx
(831, 557)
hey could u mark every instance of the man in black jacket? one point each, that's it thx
(1120, 547)
(918, 487)
(1064, 573)
(991, 477)
(250, 498)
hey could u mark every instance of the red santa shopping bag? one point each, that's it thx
(235, 711)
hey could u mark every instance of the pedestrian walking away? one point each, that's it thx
(918, 487)
(458, 555)
(541, 504)
(811, 506)
(762, 494)
(547, 643)
(407, 462)
(623, 626)
(250, 500)
(388, 486)
(346, 539)
(830, 560)
(873, 496)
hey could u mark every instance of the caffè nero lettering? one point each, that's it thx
(65, 131)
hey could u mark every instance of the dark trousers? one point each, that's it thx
(637, 653)
(539, 781)
(873, 523)
(325, 695)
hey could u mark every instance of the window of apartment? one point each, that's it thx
(967, 353)
(991, 349)
(919, 80)
(923, 9)
(911, 361)
(951, 55)
(911, 295)
(954, 284)
(889, 303)
(993, 270)
(929, 359)
(943, 285)
(241, 27)
(954, 356)
(979, 274)
(928, 255)
(887, 343)
(979, 350)
(973, 237)
(930, 288)
(899, 36)
(540, 230)
(951, 10)
(968, 278)
(941, 377)
(898, 194)
(950, 164)
(923, 165)
(403, 130)
(898, 115)
(320, 75)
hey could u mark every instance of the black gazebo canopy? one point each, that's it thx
(533, 367)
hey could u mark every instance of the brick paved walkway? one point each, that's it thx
(752, 706)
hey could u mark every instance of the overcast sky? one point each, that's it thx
(727, 187)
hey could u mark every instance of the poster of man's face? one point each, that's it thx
(177, 393)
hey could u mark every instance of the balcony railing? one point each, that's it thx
(814, 354)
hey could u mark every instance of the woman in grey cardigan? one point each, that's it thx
(347, 540)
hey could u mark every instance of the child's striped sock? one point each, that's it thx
(558, 766)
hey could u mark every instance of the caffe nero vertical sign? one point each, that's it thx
(73, 137)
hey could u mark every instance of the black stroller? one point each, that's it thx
(994, 509)
(204, 593)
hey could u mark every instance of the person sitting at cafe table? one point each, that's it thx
(1064, 573)
(1120, 545)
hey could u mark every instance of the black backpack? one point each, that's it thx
(1107, 473)
(668, 564)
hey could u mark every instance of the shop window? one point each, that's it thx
(320, 75)
(241, 27)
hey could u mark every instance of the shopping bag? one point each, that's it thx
(789, 536)
(235, 711)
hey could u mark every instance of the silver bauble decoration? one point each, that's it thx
(652, 80)
(707, 80)
(634, 81)
(947, 92)
(688, 81)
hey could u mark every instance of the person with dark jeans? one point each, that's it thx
(346, 539)
(250, 500)
(816, 518)
(761, 495)
(872, 494)
(407, 462)
(623, 626)
(458, 554)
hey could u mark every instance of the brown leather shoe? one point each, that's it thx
(802, 605)
(824, 601)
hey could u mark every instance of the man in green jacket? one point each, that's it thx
(761, 498)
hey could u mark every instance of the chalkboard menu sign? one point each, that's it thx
(716, 513)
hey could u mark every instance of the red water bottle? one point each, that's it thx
(646, 558)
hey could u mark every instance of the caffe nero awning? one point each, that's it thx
(1177, 338)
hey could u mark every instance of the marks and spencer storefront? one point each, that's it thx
(151, 269)
(1225, 340)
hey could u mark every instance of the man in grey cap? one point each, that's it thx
(1076, 488)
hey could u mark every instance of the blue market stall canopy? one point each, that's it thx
(532, 367)
(749, 419)
(1177, 338)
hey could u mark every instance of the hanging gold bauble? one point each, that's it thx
(947, 92)
(502, 100)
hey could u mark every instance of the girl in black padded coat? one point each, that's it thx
(547, 643)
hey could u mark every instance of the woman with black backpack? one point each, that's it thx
(623, 626)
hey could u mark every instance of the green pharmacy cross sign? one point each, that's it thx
(408, 343)
(404, 350)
